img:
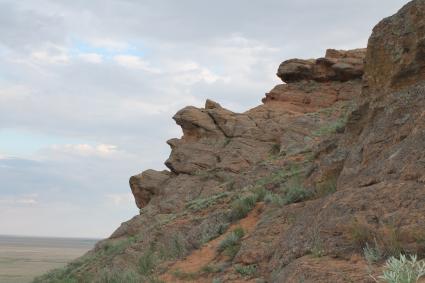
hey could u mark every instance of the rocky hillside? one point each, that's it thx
(331, 165)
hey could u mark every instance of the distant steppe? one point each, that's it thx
(23, 258)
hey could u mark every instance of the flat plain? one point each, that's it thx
(24, 258)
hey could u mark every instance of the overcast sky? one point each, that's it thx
(88, 89)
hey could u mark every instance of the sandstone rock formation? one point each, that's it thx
(330, 163)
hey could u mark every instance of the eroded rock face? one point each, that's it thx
(147, 184)
(396, 50)
(337, 65)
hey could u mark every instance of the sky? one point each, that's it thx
(88, 89)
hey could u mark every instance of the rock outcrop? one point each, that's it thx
(331, 162)
(337, 65)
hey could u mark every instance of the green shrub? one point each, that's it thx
(275, 199)
(174, 248)
(332, 127)
(260, 193)
(246, 270)
(295, 193)
(118, 276)
(326, 188)
(242, 206)
(372, 254)
(403, 270)
(317, 249)
(199, 204)
(211, 269)
(185, 275)
(147, 263)
(231, 244)
(118, 246)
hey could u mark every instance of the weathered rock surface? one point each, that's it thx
(337, 65)
(328, 164)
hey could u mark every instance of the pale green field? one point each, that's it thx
(23, 258)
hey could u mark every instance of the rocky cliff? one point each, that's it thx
(294, 190)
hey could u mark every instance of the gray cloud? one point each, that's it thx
(114, 72)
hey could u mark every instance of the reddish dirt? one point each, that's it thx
(208, 253)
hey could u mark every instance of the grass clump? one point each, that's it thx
(242, 206)
(211, 269)
(372, 254)
(246, 270)
(295, 193)
(326, 188)
(317, 248)
(179, 274)
(117, 247)
(403, 270)
(333, 127)
(174, 248)
(147, 263)
(203, 203)
(231, 244)
(272, 198)
(118, 276)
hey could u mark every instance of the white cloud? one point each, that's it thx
(51, 54)
(91, 57)
(134, 62)
(125, 199)
(27, 199)
(190, 72)
(101, 150)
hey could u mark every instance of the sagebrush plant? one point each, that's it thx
(373, 253)
(246, 270)
(403, 270)
(295, 193)
(317, 249)
(231, 244)
(118, 276)
(242, 206)
(272, 198)
(147, 262)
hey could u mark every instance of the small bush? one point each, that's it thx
(242, 206)
(231, 244)
(184, 275)
(372, 254)
(326, 188)
(403, 270)
(174, 248)
(119, 246)
(216, 280)
(361, 234)
(199, 204)
(246, 270)
(147, 263)
(295, 193)
(274, 199)
(331, 128)
(118, 276)
(211, 269)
